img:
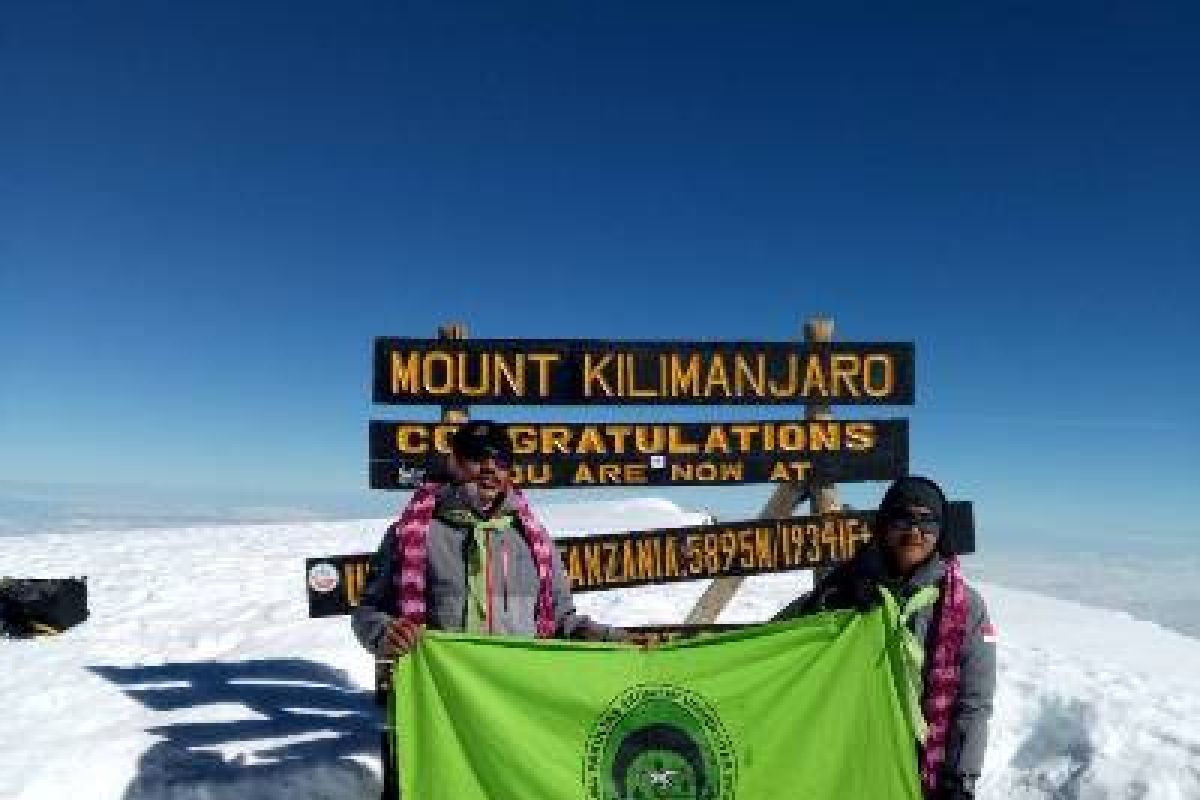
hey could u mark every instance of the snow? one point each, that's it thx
(200, 675)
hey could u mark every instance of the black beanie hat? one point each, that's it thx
(481, 437)
(912, 490)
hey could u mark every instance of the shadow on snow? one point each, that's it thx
(296, 736)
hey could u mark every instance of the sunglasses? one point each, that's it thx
(930, 526)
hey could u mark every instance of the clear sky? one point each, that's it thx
(208, 209)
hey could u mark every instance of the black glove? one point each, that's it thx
(864, 593)
(956, 787)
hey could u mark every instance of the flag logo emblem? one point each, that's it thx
(659, 742)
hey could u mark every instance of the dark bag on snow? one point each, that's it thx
(36, 606)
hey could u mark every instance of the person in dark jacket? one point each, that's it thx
(909, 554)
(469, 555)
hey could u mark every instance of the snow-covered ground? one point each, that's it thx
(200, 675)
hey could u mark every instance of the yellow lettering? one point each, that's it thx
(583, 474)
(539, 474)
(412, 439)
(590, 441)
(733, 472)
(556, 439)
(844, 369)
(717, 440)
(793, 377)
(745, 436)
(631, 371)
(354, 578)
(685, 380)
(860, 435)
(464, 371)
(405, 371)
(619, 434)
(829, 537)
(629, 561)
(797, 537)
(610, 473)
(814, 541)
(764, 548)
(514, 377)
(695, 554)
(825, 435)
(592, 555)
(446, 360)
(791, 437)
(611, 562)
(524, 439)
(574, 566)
(729, 549)
(712, 553)
(675, 443)
(670, 558)
(717, 376)
(746, 548)
(648, 559)
(879, 376)
(814, 376)
(441, 437)
(544, 363)
(845, 542)
(754, 376)
(649, 438)
(635, 473)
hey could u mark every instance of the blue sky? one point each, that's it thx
(209, 210)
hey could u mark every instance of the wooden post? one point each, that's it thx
(783, 501)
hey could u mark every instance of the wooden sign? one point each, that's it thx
(588, 372)
(668, 555)
(548, 455)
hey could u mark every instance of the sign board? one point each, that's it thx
(668, 555)
(550, 455)
(589, 372)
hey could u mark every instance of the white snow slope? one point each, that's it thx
(199, 674)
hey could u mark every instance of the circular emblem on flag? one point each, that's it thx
(323, 577)
(659, 742)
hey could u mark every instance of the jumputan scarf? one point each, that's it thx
(944, 673)
(412, 552)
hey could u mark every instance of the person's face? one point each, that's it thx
(912, 537)
(487, 477)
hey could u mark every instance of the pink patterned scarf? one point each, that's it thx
(941, 691)
(412, 532)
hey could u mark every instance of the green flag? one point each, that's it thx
(806, 709)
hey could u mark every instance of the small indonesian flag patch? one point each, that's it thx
(990, 634)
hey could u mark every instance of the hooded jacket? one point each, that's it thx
(512, 579)
(855, 583)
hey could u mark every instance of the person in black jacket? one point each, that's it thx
(908, 552)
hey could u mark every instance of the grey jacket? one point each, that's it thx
(845, 587)
(512, 577)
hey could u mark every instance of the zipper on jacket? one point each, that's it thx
(504, 571)
(487, 581)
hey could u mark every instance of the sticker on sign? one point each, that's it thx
(323, 577)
